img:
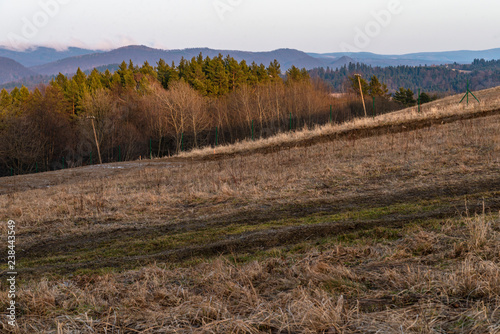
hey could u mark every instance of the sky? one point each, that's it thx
(379, 26)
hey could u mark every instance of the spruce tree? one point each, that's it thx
(24, 94)
(127, 75)
(147, 69)
(274, 71)
(5, 99)
(94, 81)
(376, 88)
(424, 98)
(293, 74)
(236, 75)
(405, 97)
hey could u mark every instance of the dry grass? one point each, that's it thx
(435, 110)
(422, 263)
(348, 288)
(452, 154)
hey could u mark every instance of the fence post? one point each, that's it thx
(11, 171)
(91, 157)
(119, 153)
(290, 121)
(36, 167)
(331, 116)
(63, 162)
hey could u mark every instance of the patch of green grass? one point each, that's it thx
(374, 235)
(158, 243)
(416, 225)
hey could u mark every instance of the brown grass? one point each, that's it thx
(419, 253)
(446, 107)
(358, 289)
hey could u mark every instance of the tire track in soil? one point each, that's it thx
(263, 237)
(260, 240)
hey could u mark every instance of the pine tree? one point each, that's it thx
(424, 98)
(147, 69)
(217, 81)
(305, 74)
(162, 70)
(293, 74)
(183, 67)
(195, 75)
(262, 74)
(61, 80)
(80, 78)
(132, 68)
(5, 99)
(235, 73)
(116, 81)
(405, 97)
(127, 75)
(274, 71)
(94, 81)
(376, 88)
(253, 78)
(106, 79)
(24, 94)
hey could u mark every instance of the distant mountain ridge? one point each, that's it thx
(10, 70)
(410, 59)
(140, 54)
(42, 55)
(48, 62)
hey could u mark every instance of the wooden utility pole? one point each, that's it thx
(95, 136)
(361, 91)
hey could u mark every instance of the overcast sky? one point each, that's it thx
(380, 26)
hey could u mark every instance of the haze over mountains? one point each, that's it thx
(15, 65)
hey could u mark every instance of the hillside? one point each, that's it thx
(387, 224)
(287, 57)
(48, 62)
(11, 70)
(42, 55)
(140, 54)
(411, 59)
(448, 79)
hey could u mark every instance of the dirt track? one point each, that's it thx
(452, 189)
(262, 240)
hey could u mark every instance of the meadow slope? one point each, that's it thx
(385, 225)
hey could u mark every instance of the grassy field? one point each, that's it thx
(385, 225)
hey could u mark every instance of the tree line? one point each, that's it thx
(443, 79)
(376, 89)
(159, 110)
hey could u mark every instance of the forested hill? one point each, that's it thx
(452, 78)
(139, 54)
(11, 70)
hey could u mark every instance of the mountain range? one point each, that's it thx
(11, 70)
(17, 65)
